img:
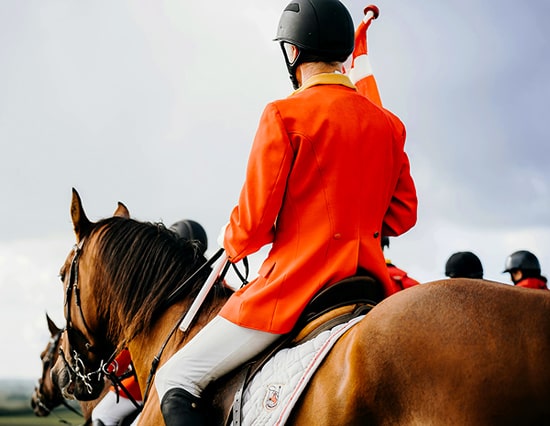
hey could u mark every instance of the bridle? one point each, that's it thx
(47, 363)
(47, 360)
(49, 357)
(77, 368)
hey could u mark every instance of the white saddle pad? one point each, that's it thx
(270, 396)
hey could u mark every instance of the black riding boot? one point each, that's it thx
(180, 408)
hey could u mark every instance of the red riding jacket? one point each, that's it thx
(400, 277)
(327, 175)
(120, 365)
(539, 283)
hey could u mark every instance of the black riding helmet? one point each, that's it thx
(464, 264)
(322, 30)
(523, 260)
(191, 230)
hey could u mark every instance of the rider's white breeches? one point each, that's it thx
(112, 409)
(218, 348)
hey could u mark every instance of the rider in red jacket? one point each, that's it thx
(524, 269)
(327, 176)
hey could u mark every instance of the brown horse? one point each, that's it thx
(451, 352)
(47, 395)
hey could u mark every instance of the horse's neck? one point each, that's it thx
(146, 346)
(88, 406)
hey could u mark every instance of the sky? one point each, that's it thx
(155, 104)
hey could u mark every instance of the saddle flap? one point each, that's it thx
(333, 305)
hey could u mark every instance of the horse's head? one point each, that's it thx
(84, 350)
(46, 395)
(117, 279)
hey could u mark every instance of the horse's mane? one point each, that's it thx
(139, 264)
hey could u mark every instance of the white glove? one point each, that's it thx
(221, 235)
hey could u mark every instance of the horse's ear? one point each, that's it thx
(122, 211)
(54, 329)
(81, 224)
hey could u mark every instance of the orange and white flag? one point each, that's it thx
(360, 72)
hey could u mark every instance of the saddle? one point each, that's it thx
(333, 305)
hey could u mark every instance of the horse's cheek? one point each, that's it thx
(60, 377)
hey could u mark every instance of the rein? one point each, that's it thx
(170, 300)
(178, 290)
(71, 408)
(117, 383)
(64, 402)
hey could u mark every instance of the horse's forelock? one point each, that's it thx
(142, 264)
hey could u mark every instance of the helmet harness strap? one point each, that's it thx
(292, 65)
